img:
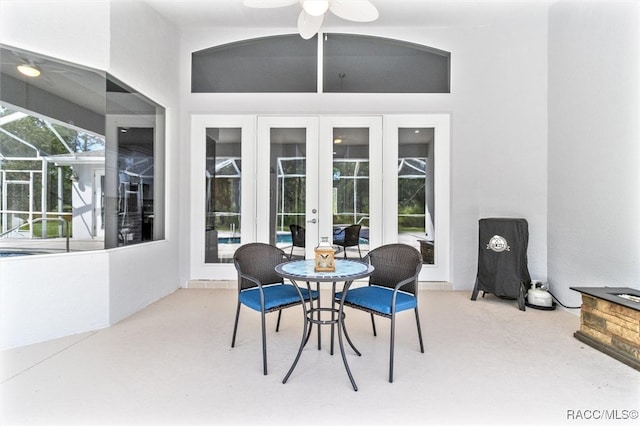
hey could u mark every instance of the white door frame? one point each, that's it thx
(199, 124)
(440, 270)
(313, 221)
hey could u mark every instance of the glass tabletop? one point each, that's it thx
(345, 270)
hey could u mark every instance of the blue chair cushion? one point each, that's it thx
(274, 295)
(378, 299)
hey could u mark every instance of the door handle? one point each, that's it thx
(312, 221)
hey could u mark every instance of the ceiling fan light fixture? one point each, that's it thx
(315, 7)
(313, 12)
(29, 70)
(308, 26)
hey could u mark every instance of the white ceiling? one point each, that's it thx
(193, 14)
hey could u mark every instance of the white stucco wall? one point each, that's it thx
(72, 30)
(498, 113)
(143, 52)
(594, 146)
(48, 297)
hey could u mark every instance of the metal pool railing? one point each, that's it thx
(31, 222)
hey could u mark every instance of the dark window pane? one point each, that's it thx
(135, 195)
(364, 64)
(271, 64)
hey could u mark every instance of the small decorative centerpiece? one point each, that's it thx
(325, 257)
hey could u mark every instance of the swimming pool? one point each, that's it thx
(16, 253)
(281, 238)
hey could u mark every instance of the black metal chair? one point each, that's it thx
(349, 237)
(392, 288)
(261, 289)
(298, 237)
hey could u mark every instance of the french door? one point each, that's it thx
(315, 177)
(293, 180)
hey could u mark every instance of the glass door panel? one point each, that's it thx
(287, 191)
(350, 156)
(288, 205)
(223, 204)
(351, 190)
(415, 189)
(416, 166)
(315, 177)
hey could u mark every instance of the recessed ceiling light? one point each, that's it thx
(337, 140)
(29, 70)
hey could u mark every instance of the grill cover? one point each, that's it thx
(502, 258)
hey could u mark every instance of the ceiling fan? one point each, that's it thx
(313, 11)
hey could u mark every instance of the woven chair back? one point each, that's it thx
(258, 260)
(394, 263)
(351, 236)
(298, 235)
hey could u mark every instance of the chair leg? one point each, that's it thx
(359, 252)
(278, 323)
(419, 331)
(391, 344)
(235, 326)
(373, 324)
(264, 345)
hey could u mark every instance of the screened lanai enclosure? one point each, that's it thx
(80, 159)
(37, 175)
(287, 209)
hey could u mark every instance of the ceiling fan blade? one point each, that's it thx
(266, 4)
(308, 25)
(354, 10)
